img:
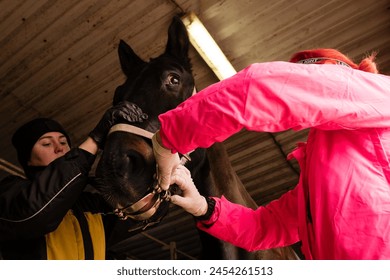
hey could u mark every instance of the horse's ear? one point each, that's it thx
(129, 60)
(178, 42)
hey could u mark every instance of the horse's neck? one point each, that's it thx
(225, 178)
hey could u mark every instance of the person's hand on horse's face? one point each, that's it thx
(123, 112)
(166, 162)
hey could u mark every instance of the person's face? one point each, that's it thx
(49, 147)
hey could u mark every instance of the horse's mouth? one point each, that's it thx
(147, 212)
(146, 207)
(143, 209)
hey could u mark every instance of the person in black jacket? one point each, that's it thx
(48, 214)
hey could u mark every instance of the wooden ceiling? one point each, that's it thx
(59, 59)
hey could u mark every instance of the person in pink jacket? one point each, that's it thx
(340, 208)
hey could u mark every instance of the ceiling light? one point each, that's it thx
(205, 45)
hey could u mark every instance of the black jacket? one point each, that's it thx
(49, 215)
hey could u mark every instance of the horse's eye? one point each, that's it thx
(173, 79)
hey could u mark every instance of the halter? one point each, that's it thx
(147, 206)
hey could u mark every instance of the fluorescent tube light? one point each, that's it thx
(207, 47)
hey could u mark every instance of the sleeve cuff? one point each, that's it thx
(210, 210)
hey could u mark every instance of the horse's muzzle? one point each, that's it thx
(146, 207)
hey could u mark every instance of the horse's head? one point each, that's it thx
(125, 174)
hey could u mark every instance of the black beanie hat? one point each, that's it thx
(28, 134)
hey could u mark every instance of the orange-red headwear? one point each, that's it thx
(332, 56)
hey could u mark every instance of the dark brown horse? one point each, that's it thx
(125, 173)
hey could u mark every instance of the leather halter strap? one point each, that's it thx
(131, 129)
(144, 133)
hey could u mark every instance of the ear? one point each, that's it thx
(178, 42)
(129, 60)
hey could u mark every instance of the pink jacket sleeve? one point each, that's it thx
(277, 96)
(271, 226)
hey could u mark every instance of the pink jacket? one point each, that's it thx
(340, 208)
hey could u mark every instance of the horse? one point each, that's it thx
(125, 173)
